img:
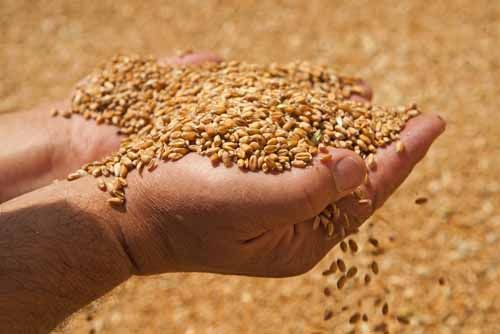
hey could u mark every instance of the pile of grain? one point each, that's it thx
(261, 118)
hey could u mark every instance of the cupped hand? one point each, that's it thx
(188, 215)
(87, 141)
(191, 216)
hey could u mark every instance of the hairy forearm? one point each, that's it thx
(59, 250)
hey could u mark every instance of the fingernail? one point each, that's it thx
(348, 174)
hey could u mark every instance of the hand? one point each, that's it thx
(190, 216)
(63, 246)
(38, 148)
(88, 141)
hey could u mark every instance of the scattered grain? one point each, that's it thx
(327, 315)
(343, 246)
(352, 272)
(403, 320)
(421, 200)
(354, 318)
(385, 309)
(341, 265)
(353, 245)
(341, 282)
(374, 267)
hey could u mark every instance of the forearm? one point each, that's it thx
(59, 250)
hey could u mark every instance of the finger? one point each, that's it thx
(365, 93)
(191, 59)
(392, 170)
(262, 201)
(393, 167)
(303, 193)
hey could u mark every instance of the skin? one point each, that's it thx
(62, 246)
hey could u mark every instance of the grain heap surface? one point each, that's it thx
(269, 118)
(440, 53)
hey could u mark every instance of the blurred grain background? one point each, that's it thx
(442, 54)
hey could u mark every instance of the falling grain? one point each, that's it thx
(421, 200)
(354, 318)
(352, 272)
(341, 265)
(385, 309)
(341, 282)
(353, 245)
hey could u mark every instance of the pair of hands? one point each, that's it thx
(190, 216)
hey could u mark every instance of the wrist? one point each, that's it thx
(83, 199)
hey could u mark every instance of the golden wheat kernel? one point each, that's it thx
(96, 172)
(117, 169)
(341, 265)
(365, 201)
(116, 201)
(333, 267)
(299, 164)
(403, 320)
(352, 272)
(123, 171)
(370, 161)
(346, 221)
(327, 292)
(354, 318)
(353, 245)
(105, 172)
(54, 112)
(327, 315)
(365, 317)
(421, 200)
(327, 272)
(122, 182)
(326, 158)
(441, 281)
(374, 267)
(385, 309)
(102, 185)
(73, 176)
(330, 229)
(366, 180)
(343, 246)
(373, 241)
(341, 282)
(400, 147)
(367, 279)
